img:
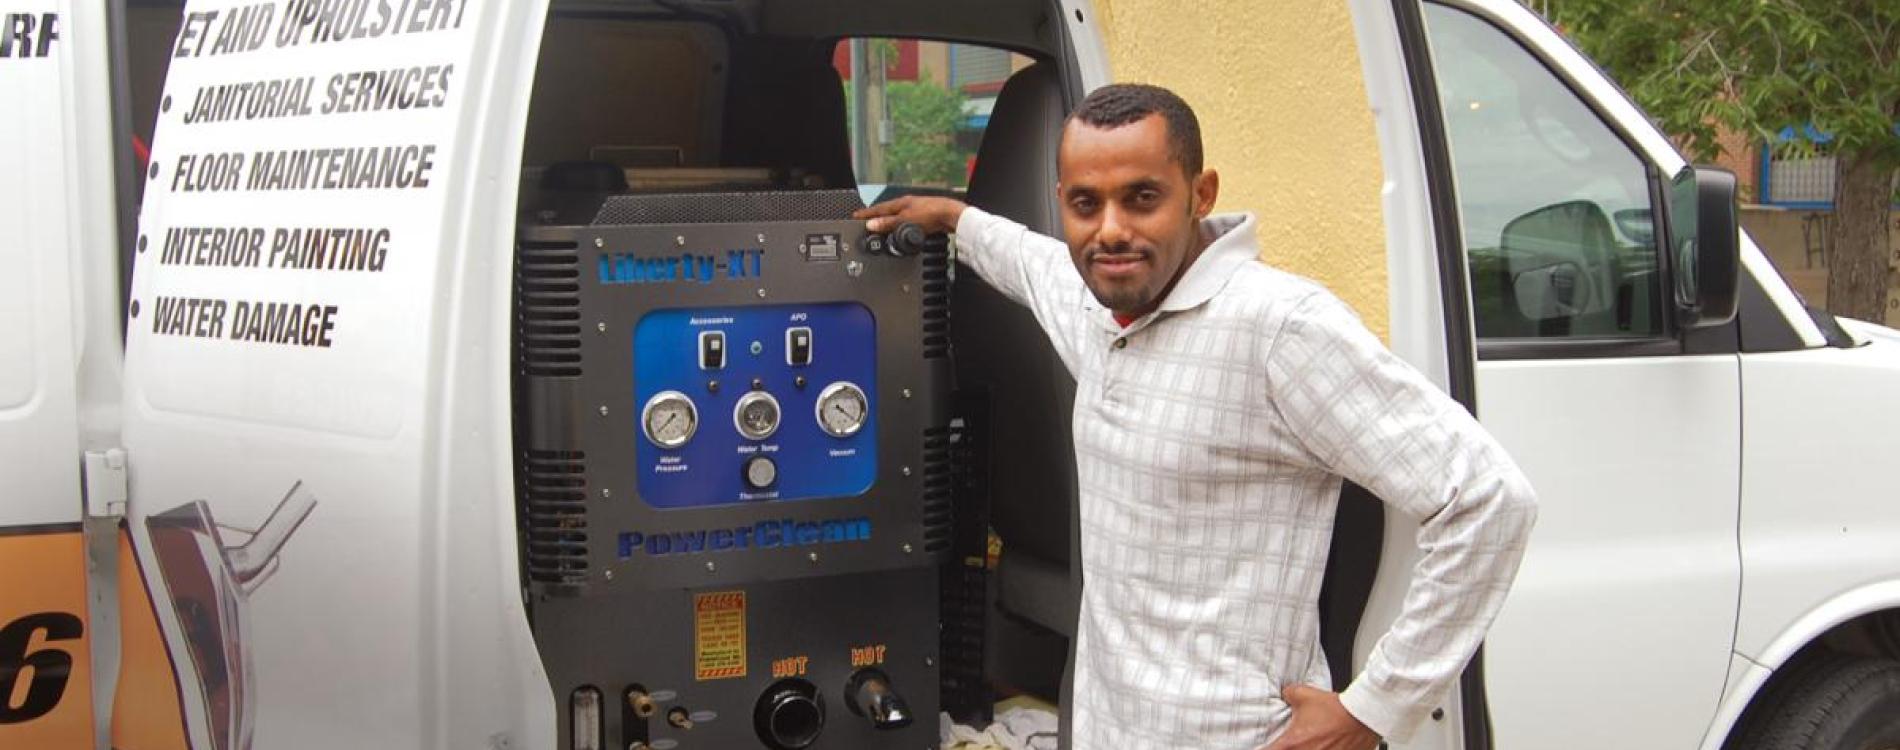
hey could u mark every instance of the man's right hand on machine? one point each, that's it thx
(932, 214)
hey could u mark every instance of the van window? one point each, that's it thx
(1556, 208)
(925, 105)
(686, 104)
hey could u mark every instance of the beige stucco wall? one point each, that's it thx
(1278, 89)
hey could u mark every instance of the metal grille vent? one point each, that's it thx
(938, 518)
(964, 608)
(554, 505)
(548, 308)
(964, 581)
(936, 262)
(728, 208)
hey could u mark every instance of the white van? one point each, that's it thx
(269, 480)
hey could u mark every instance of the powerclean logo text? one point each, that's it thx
(762, 535)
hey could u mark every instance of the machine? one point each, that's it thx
(733, 428)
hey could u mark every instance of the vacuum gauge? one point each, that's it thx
(842, 409)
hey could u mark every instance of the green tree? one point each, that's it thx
(923, 147)
(1757, 66)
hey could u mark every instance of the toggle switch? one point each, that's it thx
(712, 350)
(678, 717)
(798, 346)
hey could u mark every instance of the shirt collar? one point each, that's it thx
(1233, 242)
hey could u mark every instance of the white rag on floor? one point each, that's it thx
(1018, 728)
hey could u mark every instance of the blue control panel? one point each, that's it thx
(755, 404)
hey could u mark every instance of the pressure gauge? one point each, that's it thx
(669, 419)
(842, 408)
(756, 415)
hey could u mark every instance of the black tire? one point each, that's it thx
(1826, 702)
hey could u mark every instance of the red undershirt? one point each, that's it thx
(1124, 321)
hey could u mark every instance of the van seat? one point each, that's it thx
(1003, 353)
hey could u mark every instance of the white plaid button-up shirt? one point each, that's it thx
(1211, 437)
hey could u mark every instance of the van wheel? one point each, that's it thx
(1832, 702)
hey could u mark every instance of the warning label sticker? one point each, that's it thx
(719, 635)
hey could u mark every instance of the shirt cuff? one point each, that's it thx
(1391, 717)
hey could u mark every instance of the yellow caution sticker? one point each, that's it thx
(719, 635)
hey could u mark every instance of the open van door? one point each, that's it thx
(1430, 327)
(316, 385)
(1617, 392)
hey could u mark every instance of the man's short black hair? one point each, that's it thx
(1119, 104)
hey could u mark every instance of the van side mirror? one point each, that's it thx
(1704, 246)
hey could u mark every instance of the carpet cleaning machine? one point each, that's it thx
(734, 462)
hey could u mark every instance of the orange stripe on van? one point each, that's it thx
(45, 649)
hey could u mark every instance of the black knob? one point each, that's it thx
(790, 715)
(908, 240)
(759, 472)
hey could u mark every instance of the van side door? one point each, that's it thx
(1628, 427)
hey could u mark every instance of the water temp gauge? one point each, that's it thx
(669, 419)
(842, 408)
(756, 415)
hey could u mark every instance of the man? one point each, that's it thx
(1219, 404)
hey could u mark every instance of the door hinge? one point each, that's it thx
(105, 483)
(102, 478)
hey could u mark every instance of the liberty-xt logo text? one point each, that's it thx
(626, 268)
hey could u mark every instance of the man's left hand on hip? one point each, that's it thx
(1321, 722)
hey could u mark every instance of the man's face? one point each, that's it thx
(1131, 215)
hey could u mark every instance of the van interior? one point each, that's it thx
(693, 96)
(760, 96)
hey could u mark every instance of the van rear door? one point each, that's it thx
(44, 639)
(316, 378)
(59, 361)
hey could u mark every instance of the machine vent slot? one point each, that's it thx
(548, 309)
(963, 583)
(727, 208)
(936, 298)
(961, 642)
(939, 521)
(554, 511)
